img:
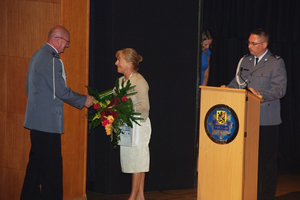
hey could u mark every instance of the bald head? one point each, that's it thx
(58, 31)
(59, 38)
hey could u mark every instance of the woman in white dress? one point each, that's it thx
(136, 159)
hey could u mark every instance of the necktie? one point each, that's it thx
(256, 61)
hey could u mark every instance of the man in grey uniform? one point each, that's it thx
(46, 91)
(264, 74)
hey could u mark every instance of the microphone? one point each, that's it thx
(240, 75)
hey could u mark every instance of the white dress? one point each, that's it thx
(137, 158)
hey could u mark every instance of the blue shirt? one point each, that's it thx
(204, 65)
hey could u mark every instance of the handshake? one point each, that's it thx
(89, 101)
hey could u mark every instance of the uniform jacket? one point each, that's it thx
(46, 91)
(268, 77)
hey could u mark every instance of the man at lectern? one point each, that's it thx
(264, 74)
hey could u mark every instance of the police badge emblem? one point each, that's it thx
(221, 124)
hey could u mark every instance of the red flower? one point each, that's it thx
(124, 98)
(105, 122)
(105, 113)
(96, 106)
(113, 101)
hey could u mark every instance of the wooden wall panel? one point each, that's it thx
(3, 25)
(16, 84)
(17, 141)
(75, 16)
(28, 25)
(74, 152)
(3, 119)
(3, 83)
(77, 11)
(11, 183)
(25, 25)
(49, 1)
(2, 177)
(15, 152)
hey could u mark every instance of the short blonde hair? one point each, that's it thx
(130, 55)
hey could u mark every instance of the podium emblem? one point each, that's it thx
(221, 124)
(221, 116)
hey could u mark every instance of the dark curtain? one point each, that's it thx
(166, 34)
(231, 22)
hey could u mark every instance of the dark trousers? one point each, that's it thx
(267, 162)
(43, 179)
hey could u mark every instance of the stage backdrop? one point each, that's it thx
(165, 33)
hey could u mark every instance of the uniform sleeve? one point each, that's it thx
(61, 90)
(278, 82)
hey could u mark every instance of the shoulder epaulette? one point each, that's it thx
(275, 56)
(247, 55)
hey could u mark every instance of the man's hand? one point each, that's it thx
(89, 101)
(254, 91)
(223, 86)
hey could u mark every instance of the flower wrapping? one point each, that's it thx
(113, 108)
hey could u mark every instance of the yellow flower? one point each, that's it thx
(97, 116)
(95, 102)
(103, 105)
(108, 129)
(110, 119)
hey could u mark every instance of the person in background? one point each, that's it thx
(136, 159)
(207, 40)
(47, 90)
(264, 74)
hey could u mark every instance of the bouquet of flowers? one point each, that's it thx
(113, 109)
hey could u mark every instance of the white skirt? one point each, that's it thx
(137, 159)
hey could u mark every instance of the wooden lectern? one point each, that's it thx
(228, 144)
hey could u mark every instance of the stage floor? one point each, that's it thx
(288, 188)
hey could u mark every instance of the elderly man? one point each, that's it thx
(46, 91)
